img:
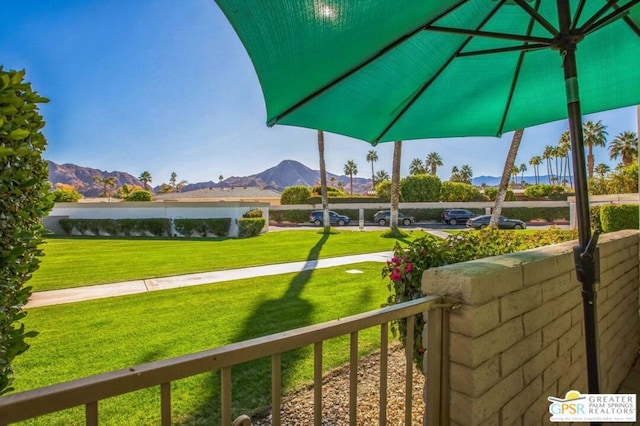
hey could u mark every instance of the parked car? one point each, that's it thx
(316, 217)
(383, 217)
(503, 222)
(456, 216)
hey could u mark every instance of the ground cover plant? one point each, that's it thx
(77, 261)
(80, 339)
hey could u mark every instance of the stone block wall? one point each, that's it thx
(518, 335)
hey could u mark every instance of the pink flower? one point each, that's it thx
(408, 268)
(395, 260)
(395, 276)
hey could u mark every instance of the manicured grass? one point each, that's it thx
(73, 262)
(77, 340)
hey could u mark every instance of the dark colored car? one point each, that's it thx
(503, 222)
(383, 217)
(316, 217)
(456, 216)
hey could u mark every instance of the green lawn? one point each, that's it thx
(73, 262)
(86, 338)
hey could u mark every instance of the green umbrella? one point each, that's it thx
(396, 70)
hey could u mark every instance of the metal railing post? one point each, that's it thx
(437, 383)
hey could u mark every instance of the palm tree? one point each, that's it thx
(395, 186)
(564, 145)
(174, 184)
(624, 145)
(381, 176)
(504, 180)
(466, 174)
(220, 178)
(455, 174)
(432, 162)
(145, 178)
(108, 183)
(326, 223)
(514, 174)
(595, 134)
(372, 157)
(535, 161)
(547, 154)
(416, 167)
(601, 170)
(351, 169)
(522, 169)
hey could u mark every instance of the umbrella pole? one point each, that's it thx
(586, 256)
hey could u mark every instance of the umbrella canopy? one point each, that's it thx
(398, 70)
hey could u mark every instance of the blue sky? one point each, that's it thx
(165, 86)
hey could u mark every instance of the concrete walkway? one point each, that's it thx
(79, 294)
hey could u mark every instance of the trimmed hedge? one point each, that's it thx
(347, 200)
(127, 227)
(615, 217)
(204, 227)
(250, 227)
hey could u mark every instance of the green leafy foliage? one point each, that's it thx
(250, 227)
(24, 201)
(138, 195)
(204, 227)
(332, 191)
(405, 269)
(460, 191)
(544, 191)
(383, 190)
(253, 213)
(289, 216)
(116, 227)
(492, 192)
(420, 188)
(615, 217)
(295, 195)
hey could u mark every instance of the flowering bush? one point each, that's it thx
(405, 269)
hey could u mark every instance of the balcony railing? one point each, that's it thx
(90, 390)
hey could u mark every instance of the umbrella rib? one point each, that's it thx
(576, 18)
(525, 47)
(363, 64)
(516, 75)
(619, 12)
(428, 83)
(608, 5)
(490, 34)
(539, 18)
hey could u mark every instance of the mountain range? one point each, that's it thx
(277, 178)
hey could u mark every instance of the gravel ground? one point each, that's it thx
(297, 407)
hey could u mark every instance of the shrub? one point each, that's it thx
(405, 269)
(615, 217)
(594, 216)
(66, 225)
(460, 191)
(138, 195)
(66, 194)
(214, 226)
(491, 193)
(253, 213)
(250, 227)
(295, 195)
(293, 216)
(552, 192)
(155, 226)
(420, 188)
(127, 226)
(383, 190)
(24, 201)
(332, 191)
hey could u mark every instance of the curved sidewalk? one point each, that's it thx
(79, 294)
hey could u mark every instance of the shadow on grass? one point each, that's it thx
(251, 382)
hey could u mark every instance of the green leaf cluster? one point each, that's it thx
(24, 201)
(420, 188)
(211, 226)
(295, 195)
(544, 191)
(460, 191)
(253, 213)
(138, 195)
(405, 269)
(116, 227)
(615, 217)
(250, 227)
(492, 192)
